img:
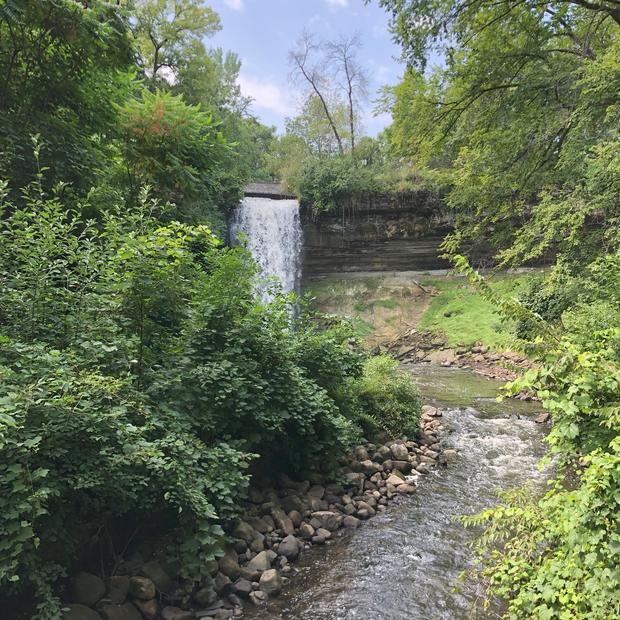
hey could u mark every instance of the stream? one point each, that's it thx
(405, 562)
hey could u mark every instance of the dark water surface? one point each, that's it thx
(405, 562)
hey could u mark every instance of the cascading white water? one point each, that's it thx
(272, 230)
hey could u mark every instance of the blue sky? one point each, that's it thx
(263, 31)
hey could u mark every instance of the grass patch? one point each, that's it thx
(390, 304)
(465, 317)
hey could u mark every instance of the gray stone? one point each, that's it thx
(229, 564)
(142, 588)
(259, 524)
(282, 521)
(258, 544)
(306, 531)
(289, 548)
(205, 596)
(317, 491)
(175, 613)
(394, 479)
(260, 562)
(295, 517)
(118, 589)
(244, 531)
(351, 522)
(316, 505)
(271, 582)
(361, 454)
(258, 597)
(399, 452)
(369, 467)
(402, 466)
(156, 573)
(87, 589)
(242, 587)
(326, 519)
(221, 583)
(80, 612)
(448, 456)
(290, 503)
(121, 612)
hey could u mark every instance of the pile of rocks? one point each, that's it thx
(280, 522)
(125, 597)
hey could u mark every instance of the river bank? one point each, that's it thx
(406, 561)
(282, 521)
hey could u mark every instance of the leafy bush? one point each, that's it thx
(324, 181)
(389, 398)
(140, 375)
(556, 556)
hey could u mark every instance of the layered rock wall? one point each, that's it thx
(397, 232)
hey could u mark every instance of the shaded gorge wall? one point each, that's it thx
(395, 232)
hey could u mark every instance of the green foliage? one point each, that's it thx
(523, 115)
(65, 64)
(324, 182)
(555, 556)
(178, 150)
(140, 375)
(389, 398)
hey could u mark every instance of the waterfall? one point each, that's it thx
(272, 230)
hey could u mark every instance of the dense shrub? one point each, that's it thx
(389, 398)
(139, 374)
(555, 556)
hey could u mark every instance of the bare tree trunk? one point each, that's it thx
(312, 76)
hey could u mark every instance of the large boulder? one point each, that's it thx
(87, 589)
(118, 589)
(282, 521)
(271, 582)
(289, 548)
(80, 612)
(325, 519)
(142, 588)
(260, 562)
(399, 452)
(121, 612)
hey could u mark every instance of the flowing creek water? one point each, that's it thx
(405, 562)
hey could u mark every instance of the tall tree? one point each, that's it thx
(353, 80)
(169, 30)
(64, 66)
(314, 73)
(518, 111)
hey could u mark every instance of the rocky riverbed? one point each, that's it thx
(281, 522)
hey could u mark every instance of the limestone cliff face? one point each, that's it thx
(398, 232)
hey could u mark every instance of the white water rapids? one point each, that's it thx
(272, 231)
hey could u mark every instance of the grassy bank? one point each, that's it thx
(383, 306)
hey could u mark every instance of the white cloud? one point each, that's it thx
(341, 3)
(235, 5)
(266, 95)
